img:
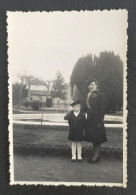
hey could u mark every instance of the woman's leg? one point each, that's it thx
(73, 150)
(96, 153)
(79, 151)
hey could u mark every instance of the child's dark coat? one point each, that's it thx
(77, 126)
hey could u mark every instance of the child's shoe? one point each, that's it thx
(80, 160)
(73, 160)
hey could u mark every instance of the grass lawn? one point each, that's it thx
(55, 135)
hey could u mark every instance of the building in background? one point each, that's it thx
(38, 91)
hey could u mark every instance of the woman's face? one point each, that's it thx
(92, 86)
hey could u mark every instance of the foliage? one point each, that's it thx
(26, 103)
(48, 102)
(59, 87)
(16, 87)
(107, 69)
(109, 72)
(82, 71)
(36, 105)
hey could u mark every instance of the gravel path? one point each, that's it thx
(61, 169)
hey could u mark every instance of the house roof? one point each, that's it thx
(37, 92)
(37, 82)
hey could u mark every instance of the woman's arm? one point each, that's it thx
(101, 108)
(87, 100)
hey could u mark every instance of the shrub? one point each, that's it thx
(26, 103)
(36, 105)
(49, 102)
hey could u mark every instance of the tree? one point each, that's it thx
(59, 87)
(109, 73)
(107, 69)
(29, 79)
(22, 78)
(82, 71)
(16, 93)
(48, 83)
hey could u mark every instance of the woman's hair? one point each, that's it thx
(92, 80)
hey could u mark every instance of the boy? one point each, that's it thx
(77, 122)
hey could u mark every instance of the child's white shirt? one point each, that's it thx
(76, 113)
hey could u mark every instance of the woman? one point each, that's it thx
(95, 131)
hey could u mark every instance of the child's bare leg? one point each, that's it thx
(73, 150)
(79, 150)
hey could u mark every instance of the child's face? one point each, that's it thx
(76, 108)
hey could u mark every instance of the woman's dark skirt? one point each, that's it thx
(93, 133)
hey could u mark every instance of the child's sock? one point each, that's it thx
(73, 150)
(79, 151)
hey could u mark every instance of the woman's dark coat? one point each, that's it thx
(77, 126)
(95, 131)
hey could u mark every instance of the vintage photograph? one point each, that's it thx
(67, 97)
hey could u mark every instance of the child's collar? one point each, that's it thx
(76, 113)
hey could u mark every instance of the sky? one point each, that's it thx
(41, 43)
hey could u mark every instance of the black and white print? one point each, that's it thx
(53, 57)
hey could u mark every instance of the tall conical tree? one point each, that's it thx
(82, 71)
(59, 87)
(107, 69)
(109, 72)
